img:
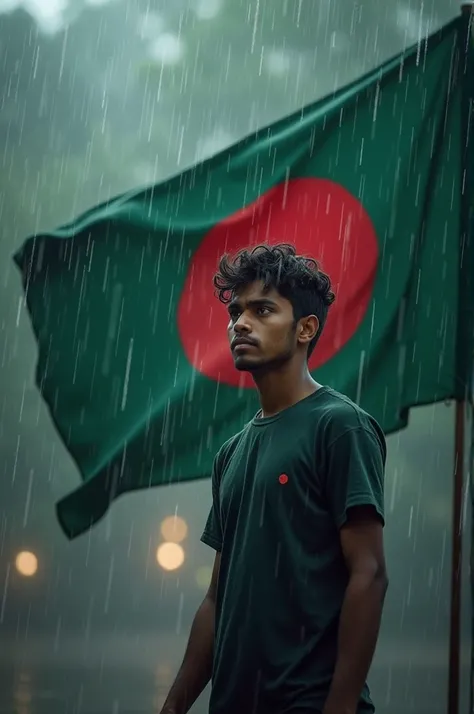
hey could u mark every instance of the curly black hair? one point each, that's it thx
(297, 278)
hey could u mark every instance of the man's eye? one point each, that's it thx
(263, 310)
(234, 316)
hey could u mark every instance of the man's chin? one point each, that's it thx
(245, 365)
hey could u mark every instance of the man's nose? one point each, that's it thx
(242, 325)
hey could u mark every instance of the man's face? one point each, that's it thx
(261, 329)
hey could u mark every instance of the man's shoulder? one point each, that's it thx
(341, 407)
(339, 415)
(229, 446)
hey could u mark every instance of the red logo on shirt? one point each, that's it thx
(283, 479)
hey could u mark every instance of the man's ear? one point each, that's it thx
(307, 329)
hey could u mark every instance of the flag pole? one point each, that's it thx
(456, 562)
(467, 9)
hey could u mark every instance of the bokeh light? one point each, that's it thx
(174, 529)
(170, 556)
(26, 563)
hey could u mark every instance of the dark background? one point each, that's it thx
(96, 98)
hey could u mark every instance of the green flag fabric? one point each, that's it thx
(133, 358)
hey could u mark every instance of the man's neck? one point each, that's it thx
(280, 389)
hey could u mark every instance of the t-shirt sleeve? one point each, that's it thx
(355, 473)
(212, 534)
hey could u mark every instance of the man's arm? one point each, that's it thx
(362, 545)
(196, 669)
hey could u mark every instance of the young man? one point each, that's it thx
(291, 619)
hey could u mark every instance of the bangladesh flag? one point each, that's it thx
(133, 357)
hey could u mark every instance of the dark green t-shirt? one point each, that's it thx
(281, 490)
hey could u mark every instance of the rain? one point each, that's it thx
(100, 97)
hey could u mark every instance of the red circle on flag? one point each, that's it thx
(324, 221)
(283, 479)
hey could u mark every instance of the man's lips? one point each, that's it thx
(241, 344)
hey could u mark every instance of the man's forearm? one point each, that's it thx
(358, 631)
(196, 669)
